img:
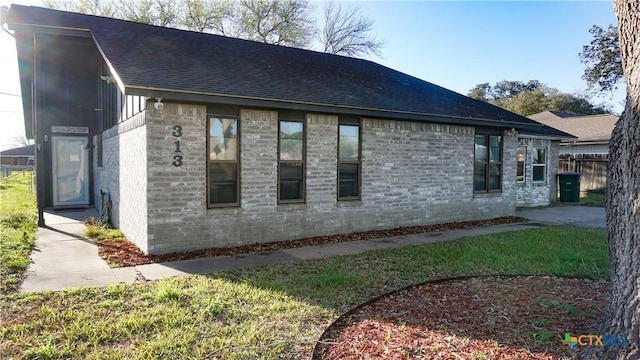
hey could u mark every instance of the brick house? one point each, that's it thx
(18, 158)
(592, 132)
(208, 141)
(586, 153)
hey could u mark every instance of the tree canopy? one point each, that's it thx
(282, 22)
(603, 71)
(533, 97)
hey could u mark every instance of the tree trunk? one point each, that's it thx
(623, 199)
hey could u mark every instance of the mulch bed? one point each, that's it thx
(122, 253)
(470, 318)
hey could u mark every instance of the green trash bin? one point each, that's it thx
(569, 186)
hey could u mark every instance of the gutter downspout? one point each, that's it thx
(39, 141)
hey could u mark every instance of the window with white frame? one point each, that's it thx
(539, 163)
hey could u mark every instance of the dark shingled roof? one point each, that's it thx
(21, 151)
(148, 58)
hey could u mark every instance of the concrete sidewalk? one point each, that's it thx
(568, 214)
(62, 258)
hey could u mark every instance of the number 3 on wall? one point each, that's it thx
(177, 154)
(177, 160)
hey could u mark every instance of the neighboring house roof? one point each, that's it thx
(587, 128)
(184, 65)
(21, 151)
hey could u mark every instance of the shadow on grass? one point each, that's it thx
(341, 283)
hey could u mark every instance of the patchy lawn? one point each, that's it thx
(18, 225)
(279, 311)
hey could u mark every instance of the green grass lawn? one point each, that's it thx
(592, 198)
(18, 225)
(271, 311)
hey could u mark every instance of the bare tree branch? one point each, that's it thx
(277, 22)
(208, 16)
(347, 32)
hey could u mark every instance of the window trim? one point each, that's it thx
(237, 161)
(524, 165)
(350, 121)
(303, 200)
(534, 165)
(487, 135)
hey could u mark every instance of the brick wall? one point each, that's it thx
(412, 173)
(177, 194)
(124, 176)
(533, 193)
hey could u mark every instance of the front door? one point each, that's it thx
(70, 171)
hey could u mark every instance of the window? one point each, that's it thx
(348, 162)
(223, 167)
(487, 170)
(521, 154)
(291, 169)
(539, 164)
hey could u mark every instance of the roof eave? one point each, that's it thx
(70, 31)
(546, 137)
(192, 96)
(586, 142)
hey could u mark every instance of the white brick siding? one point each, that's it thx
(530, 193)
(412, 173)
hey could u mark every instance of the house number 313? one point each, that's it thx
(177, 154)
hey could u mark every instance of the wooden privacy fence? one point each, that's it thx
(592, 166)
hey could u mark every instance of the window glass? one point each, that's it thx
(520, 156)
(479, 177)
(539, 156)
(487, 171)
(291, 166)
(222, 171)
(349, 143)
(495, 149)
(291, 181)
(481, 148)
(494, 176)
(291, 134)
(223, 178)
(223, 161)
(223, 139)
(539, 164)
(349, 180)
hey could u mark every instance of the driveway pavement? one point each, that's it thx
(587, 216)
(62, 258)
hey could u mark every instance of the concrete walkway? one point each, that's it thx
(62, 258)
(587, 216)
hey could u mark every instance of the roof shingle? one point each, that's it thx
(152, 57)
(28, 150)
(584, 127)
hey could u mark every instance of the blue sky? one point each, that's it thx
(452, 44)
